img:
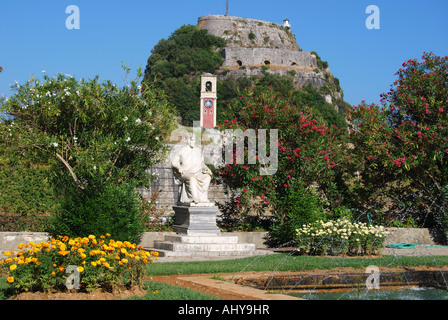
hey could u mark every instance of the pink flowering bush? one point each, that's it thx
(404, 142)
(310, 157)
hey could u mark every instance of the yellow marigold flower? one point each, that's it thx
(20, 262)
(54, 265)
(36, 250)
(93, 263)
(21, 245)
(2, 262)
(9, 260)
(106, 264)
(124, 260)
(83, 255)
(80, 269)
(71, 242)
(123, 250)
(102, 259)
(102, 237)
(10, 279)
(117, 257)
(61, 268)
(91, 237)
(6, 253)
(53, 273)
(107, 234)
(32, 244)
(12, 267)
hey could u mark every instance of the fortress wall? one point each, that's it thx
(237, 31)
(257, 56)
(254, 43)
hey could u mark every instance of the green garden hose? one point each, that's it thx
(411, 246)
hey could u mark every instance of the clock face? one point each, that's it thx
(208, 103)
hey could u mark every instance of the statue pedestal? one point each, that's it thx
(195, 220)
(199, 236)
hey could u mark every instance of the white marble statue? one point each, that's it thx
(191, 174)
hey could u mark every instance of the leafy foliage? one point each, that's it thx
(310, 157)
(176, 63)
(403, 144)
(95, 136)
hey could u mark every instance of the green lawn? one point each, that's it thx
(285, 262)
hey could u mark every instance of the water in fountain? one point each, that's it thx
(414, 284)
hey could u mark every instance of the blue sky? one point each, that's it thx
(34, 37)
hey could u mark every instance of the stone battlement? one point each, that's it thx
(242, 32)
(253, 44)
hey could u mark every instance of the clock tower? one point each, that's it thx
(208, 101)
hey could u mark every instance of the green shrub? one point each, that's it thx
(295, 206)
(111, 208)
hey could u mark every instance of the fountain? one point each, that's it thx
(394, 280)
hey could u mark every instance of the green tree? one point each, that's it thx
(176, 63)
(96, 137)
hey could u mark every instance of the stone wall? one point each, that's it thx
(10, 240)
(242, 32)
(254, 44)
(268, 56)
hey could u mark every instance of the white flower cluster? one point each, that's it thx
(334, 235)
(341, 228)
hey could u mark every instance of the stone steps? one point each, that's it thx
(211, 254)
(203, 245)
(202, 239)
